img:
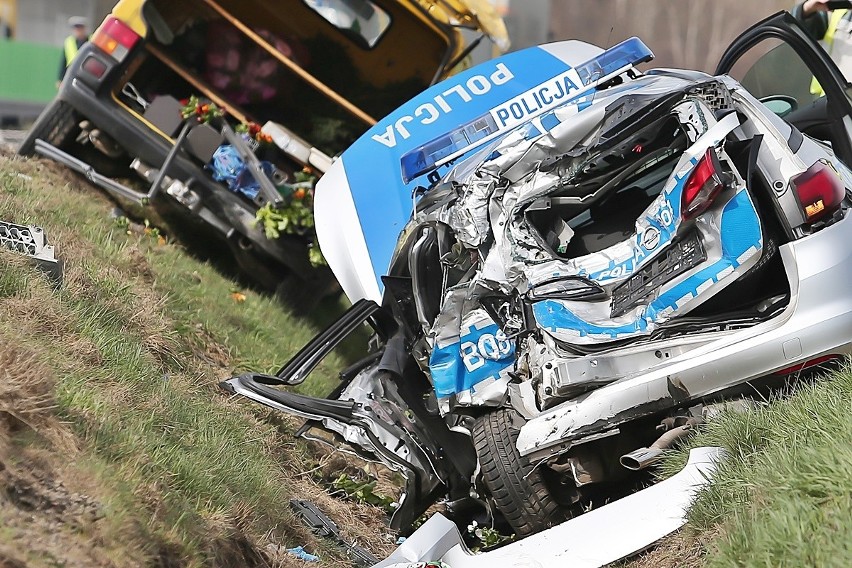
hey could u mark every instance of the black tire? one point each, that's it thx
(56, 125)
(518, 489)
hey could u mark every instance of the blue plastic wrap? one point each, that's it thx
(227, 166)
(300, 553)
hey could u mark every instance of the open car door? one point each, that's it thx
(779, 62)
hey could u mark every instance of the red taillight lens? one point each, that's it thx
(704, 184)
(807, 364)
(820, 192)
(94, 67)
(115, 38)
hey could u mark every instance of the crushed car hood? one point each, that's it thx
(365, 200)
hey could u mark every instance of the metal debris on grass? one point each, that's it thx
(321, 525)
(31, 241)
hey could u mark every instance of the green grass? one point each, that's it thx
(138, 338)
(783, 495)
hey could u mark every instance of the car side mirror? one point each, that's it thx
(781, 105)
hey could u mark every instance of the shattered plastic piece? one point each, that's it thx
(299, 552)
(322, 526)
(31, 241)
(433, 564)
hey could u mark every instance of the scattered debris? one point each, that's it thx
(32, 241)
(420, 565)
(299, 552)
(238, 296)
(324, 527)
(586, 541)
(488, 536)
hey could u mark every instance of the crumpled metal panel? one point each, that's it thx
(471, 356)
(488, 217)
(469, 217)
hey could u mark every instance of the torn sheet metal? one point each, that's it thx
(471, 356)
(32, 242)
(597, 538)
(490, 218)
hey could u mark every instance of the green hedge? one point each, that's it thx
(28, 71)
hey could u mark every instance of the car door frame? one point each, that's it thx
(785, 27)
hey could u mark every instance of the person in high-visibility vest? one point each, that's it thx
(833, 29)
(73, 43)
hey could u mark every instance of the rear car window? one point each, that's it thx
(361, 20)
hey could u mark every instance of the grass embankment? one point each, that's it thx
(116, 446)
(783, 495)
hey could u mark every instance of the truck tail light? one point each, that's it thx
(704, 184)
(115, 38)
(820, 192)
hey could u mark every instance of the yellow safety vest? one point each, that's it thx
(828, 43)
(70, 50)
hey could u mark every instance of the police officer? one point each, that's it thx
(833, 28)
(73, 43)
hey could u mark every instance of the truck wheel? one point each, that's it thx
(518, 488)
(55, 125)
(301, 295)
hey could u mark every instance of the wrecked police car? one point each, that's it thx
(570, 261)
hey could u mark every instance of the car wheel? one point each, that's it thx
(517, 487)
(56, 125)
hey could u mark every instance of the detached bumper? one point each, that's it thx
(591, 540)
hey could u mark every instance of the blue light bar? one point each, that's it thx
(455, 143)
(629, 52)
(424, 158)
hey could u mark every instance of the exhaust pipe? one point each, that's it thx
(643, 457)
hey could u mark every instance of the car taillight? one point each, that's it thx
(115, 38)
(820, 192)
(704, 184)
(807, 364)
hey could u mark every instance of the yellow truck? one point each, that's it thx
(301, 79)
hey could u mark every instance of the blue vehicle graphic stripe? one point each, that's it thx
(740, 232)
(383, 201)
(479, 355)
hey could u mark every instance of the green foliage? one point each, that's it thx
(203, 111)
(121, 222)
(295, 217)
(362, 492)
(487, 536)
